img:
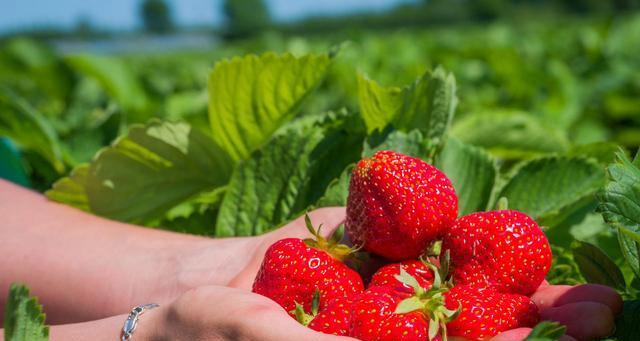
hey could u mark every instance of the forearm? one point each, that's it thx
(84, 267)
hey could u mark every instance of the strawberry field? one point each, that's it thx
(538, 117)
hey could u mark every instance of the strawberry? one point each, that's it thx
(501, 249)
(386, 275)
(398, 204)
(293, 269)
(485, 313)
(389, 311)
(334, 318)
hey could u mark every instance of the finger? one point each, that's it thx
(329, 217)
(557, 295)
(521, 334)
(584, 320)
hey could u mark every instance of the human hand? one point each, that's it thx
(222, 313)
(586, 310)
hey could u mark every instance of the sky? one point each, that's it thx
(123, 14)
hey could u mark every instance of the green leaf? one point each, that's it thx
(546, 331)
(548, 188)
(11, 167)
(630, 249)
(603, 152)
(596, 267)
(428, 104)
(627, 326)
(114, 76)
(23, 317)
(620, 199)
(337, 191)
(286, 176)
(411, 143)
(619, 203)
(28, 129)
(510, 135)
(252, 96)
(473, 174)
(72, 190)
(152, 169)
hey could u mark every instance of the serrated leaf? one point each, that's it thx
(546, 331)
(23, 318)
(630, 249)
(114, 76)
(337, 191)
(472, 171)
(286, 176)
(71, 190)
(619, 203)
(428, 104)
(545, 188)
(627, 326)
(510, 135)
(596, 267)
(412, 143)
(252, 96)
(152, 169)
(28, 129)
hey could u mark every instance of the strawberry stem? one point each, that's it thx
(332, 246)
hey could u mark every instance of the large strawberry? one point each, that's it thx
(293, 269)
(501, 249)
(398, 204)
(401, 309)
(485, 313)
(421, 300)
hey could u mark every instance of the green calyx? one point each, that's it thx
(332, 245)
(431, 301)
(302, 316)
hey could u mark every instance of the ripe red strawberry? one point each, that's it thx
(374, 317)
(486, 313)
(398, 204)
(386, 275)
(334, 318)
(293, 269)
(391, 312)
(502, 249)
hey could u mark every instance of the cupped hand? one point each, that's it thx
(587, 310)
(222, 313)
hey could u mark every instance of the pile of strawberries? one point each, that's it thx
(476, 284)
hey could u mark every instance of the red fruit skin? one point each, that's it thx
(291, 271)
(385, 276)
(486, 313)
(502, 249)
(370, 310)
(373, 318)
(334, 318)
(398, 204)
